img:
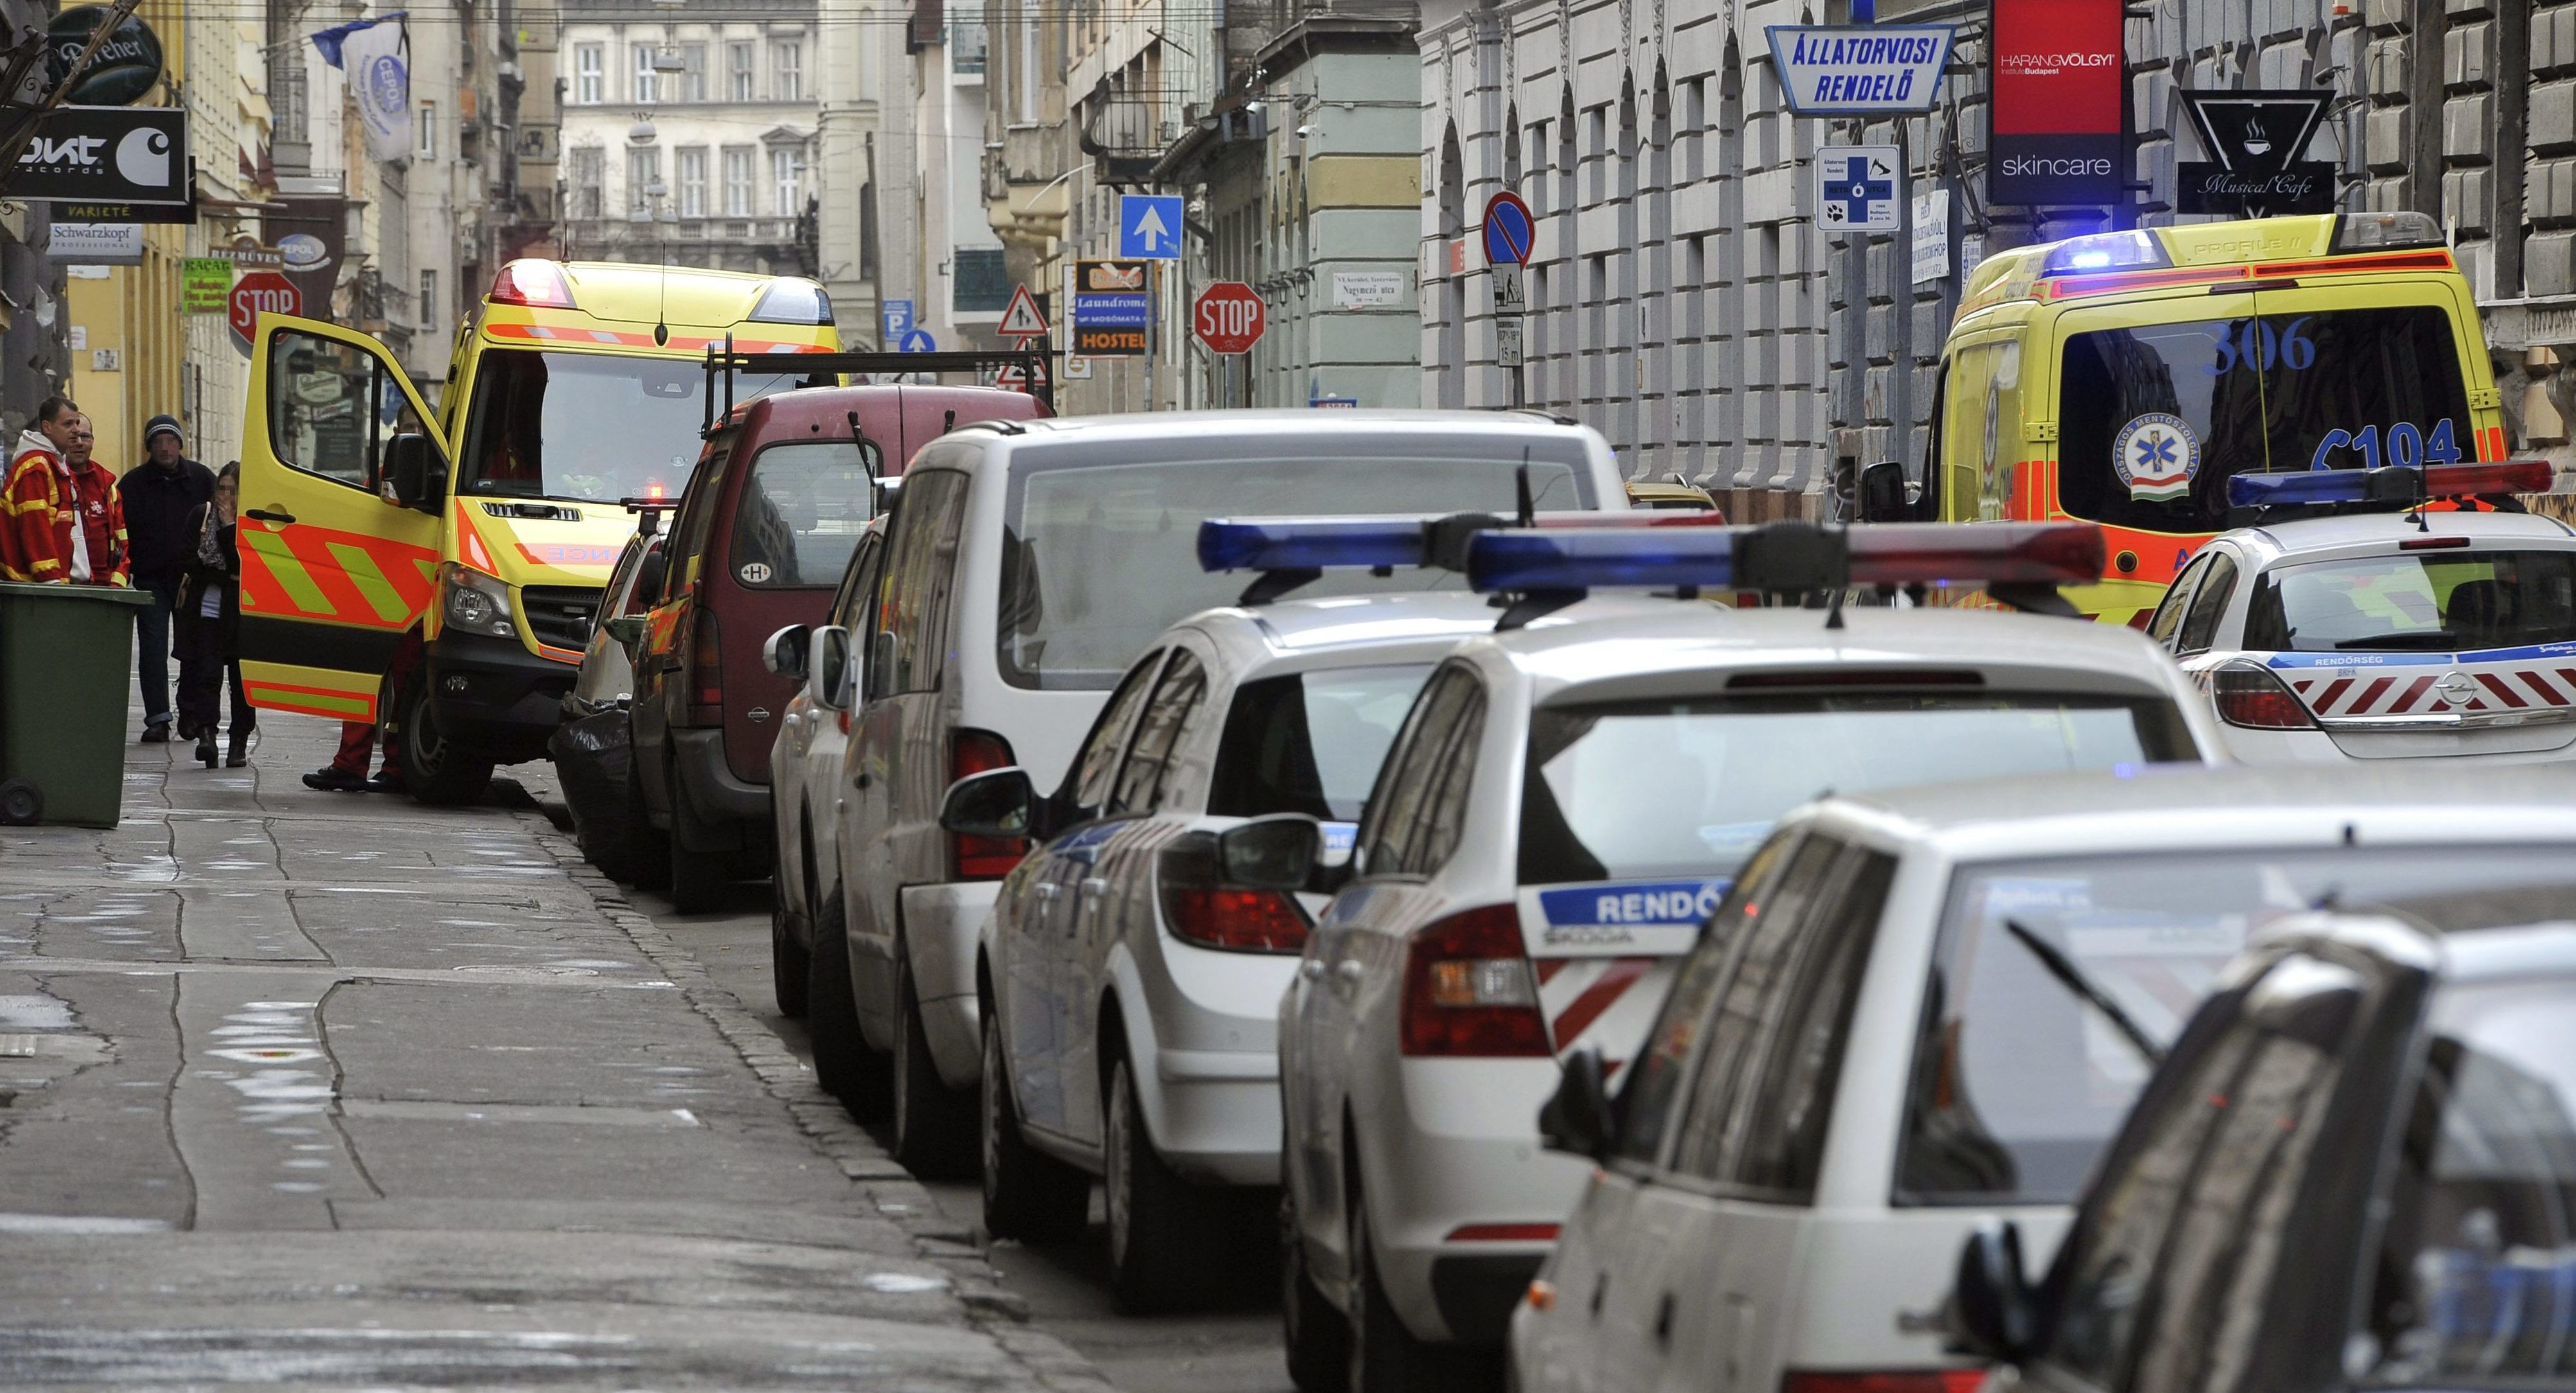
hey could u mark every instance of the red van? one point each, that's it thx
(781, 493)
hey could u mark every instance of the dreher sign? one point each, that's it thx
(2058, 82)
(1850, 69)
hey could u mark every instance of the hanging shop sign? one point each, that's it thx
(1113, 308)
(2058, 83)
(205, 285)
(96, 243)
(2254, 141)
(105, 154)
(124, 68)
(1859, 69)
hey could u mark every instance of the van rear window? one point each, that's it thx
(802, 513)
(1101, 548)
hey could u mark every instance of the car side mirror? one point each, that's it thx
(888, 490)
(786, 652)
(996, 803)
(1578, 1119)
(419, 478)
(1278, 852)
(827, 673)
(627, 632)
(1992, 1312)
(1886, 495)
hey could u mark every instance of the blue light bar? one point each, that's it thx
(1309, 543)
(2394, 484)
(1524, 561)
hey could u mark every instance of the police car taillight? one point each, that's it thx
(2370, 232)
(1469, 990)
(2253, 698)
(2395, 484)
(538, 284)
(1198, 907)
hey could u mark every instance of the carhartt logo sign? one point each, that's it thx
(2254, 140)
(105, 154)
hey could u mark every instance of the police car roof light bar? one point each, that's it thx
(2396, 484)
(2000, 554)
(1306, 543)
(1986, 553)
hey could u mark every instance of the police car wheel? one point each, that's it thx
(934, 1125)
(1163, 1230)
(843, 1064)
(1317, 1336)
(1384, 1355)
(1028, 1195)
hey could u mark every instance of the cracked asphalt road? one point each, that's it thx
(336, 1088)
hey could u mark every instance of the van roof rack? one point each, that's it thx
(825, 369)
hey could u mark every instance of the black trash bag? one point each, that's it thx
(594, 757)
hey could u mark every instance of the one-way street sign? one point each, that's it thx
(1858, 188)
(1149, 226)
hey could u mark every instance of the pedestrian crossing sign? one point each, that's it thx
(1022, 320)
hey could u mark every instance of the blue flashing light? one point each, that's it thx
(1303, 543)
(2135, 250)
(2397, 483)
(1525, 561)
(2308, 486)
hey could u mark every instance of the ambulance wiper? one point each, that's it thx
(2071, 977)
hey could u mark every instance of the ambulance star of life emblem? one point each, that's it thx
(2456, 688)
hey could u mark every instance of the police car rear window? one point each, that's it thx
(2018, 1082)
(1639, 789)
(1310, 742)
(2424, 602)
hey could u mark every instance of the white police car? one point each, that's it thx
(1566, 802)
(2344, 625)
(1926, 1010)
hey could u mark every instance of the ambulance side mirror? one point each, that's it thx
(419, 478)
(1886, 495)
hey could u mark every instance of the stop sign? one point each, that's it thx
(259, 292)
(1229, 317)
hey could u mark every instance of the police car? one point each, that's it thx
(2252, 1214)
(2359, 619)
(1926, 1010)
(1565, 804)
(1130, 989)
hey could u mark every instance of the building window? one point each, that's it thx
(787, 70)
(588, 162)
(648, 83)
(738, 72)
(693, 72)
(643, 175)
(589, 84)
(737, 181)
(693, 183)
(787, 180)
(425, 131)
(983, 284)
(429, 302)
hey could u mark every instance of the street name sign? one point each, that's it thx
(1229, 318)
(1859, 69)
(1857, 188)
(1149, 226)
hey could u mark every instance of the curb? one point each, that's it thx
(885, 1185)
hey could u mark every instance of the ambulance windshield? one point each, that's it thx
(2153, 419)
(589, 426)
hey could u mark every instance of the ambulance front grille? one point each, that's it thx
(560, 615)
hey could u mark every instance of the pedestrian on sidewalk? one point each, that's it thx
(41, 537)
(102, 515)
(209, 625)
(161, 496)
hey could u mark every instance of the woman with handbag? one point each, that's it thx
(208, 621)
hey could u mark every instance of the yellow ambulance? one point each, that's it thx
(2123, 377)
(456, 554)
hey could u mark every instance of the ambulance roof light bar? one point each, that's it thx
(533, 282)
(2135, 250)
(2018, 564)
(1290, 551)
(2370, 232)
(2397, 484)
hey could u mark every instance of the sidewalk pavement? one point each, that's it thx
(303, 1087)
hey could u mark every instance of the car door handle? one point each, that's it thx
(1311, 969)
(1348, 972)
(1046, 891)
(269, 515)
(1094, 885)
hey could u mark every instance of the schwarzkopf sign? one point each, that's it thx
(2254, 140)
(104, 154)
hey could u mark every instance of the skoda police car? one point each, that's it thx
(2360, 618)
(1565, 804)
(1925, 1010)
(1130, 987)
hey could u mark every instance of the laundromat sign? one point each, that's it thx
(1859, 69)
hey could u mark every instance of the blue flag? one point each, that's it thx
(327, 41)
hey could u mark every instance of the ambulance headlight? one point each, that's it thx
(475, 602)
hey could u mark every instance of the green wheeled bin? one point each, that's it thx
(66, 652)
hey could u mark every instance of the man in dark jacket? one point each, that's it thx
(160, 495)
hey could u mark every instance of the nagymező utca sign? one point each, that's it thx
(121, 71)
(1859, 69)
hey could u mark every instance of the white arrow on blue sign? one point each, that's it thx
(1149, 226)
(1859, 69)
(918, 341)
(1857, 187)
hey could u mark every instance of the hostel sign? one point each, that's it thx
(1859, 69)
